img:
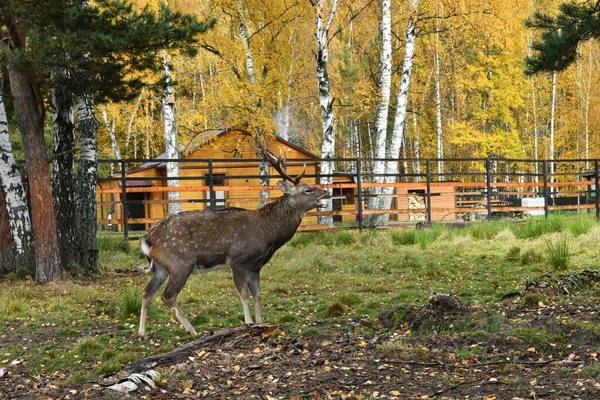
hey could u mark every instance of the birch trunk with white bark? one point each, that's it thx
(63, 176)
(263, 166)
(170, 132)
(325, 100)
(438, 114)
(110, 127)
(85, 192)
(552, 125)
(17, 211)
(381, 118)
(391, 167)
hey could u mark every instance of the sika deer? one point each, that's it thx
(243, 240)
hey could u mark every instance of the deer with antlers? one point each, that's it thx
(242, 240)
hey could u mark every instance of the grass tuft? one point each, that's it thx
(559, 252)
(131, 303)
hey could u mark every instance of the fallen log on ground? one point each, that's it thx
(184, 352)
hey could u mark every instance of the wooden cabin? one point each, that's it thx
(234, 183)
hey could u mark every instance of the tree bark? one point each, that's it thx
(7, 254)
(63, 176)
(391, 167)
(110, 127)
(246, 43)
(552, 125)
(438, 114)
(325, 100)
(17, 210)
(85, 192)
(171, 146)
(30, 118)
(381, 118)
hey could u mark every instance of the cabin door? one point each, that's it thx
(137, 209)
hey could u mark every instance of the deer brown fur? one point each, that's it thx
(242, 240)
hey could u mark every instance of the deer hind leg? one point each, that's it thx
(254, 286)
(169, 297)
(158, 278)
(240, 278)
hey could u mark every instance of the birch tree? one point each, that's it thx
(170, 133)
(552, 126)
(381, 117)
(323, 20)
(7, 253)
(398, 137)
(263, 166)
(438, 105)
(63, 172)
(85, 191)
(17, 211)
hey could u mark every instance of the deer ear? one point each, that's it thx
(285, 187)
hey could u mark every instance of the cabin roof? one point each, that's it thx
(157, 163)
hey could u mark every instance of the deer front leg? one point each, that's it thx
(240, 278)
(169, 297)
(254, 286)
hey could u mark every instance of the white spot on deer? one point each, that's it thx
(145, 248)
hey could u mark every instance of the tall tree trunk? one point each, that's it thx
(552, 125)
(110, 127)
(11, 186)
(7, 253)
(30, 118)
(63, 176)
(263, 166)
(438, 98)
(85, 191)
(391, 167)
(246, 43)
(128, 136)
(535, 130)
(381, 118)
(325, 100)
(283, 114)
(171, 146)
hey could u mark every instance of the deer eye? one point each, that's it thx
(308, 191)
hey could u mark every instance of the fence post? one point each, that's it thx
(124, 200)
(546, 199)
(596, 189)
(488, 188)
(428, 191)
(359, 200)
(211, 189)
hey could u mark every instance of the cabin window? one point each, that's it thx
(217, 180)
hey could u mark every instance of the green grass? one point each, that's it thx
(87, 326)
(559, 251)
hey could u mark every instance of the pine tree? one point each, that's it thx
(561, 34)
(104, 47)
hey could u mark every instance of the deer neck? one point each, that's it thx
(282, 216)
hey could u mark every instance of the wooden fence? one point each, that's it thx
(427, 190)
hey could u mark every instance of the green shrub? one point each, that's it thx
(336, 309)
(514, 253)
(559, 252)
(404, 237)
(131, 303)
(530, 256)
(113, 243)
(344, 237)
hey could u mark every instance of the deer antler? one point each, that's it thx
(279, 163)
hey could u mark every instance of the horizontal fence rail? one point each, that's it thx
(135, 195)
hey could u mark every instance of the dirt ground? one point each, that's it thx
(471, 353)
